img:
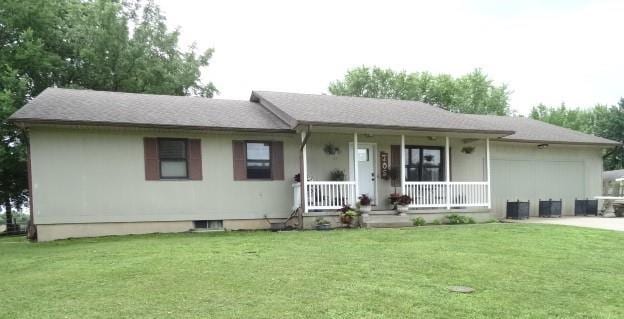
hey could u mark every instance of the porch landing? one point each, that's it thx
(385, 219)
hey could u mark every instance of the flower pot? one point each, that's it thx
(402, 209)
(365, 210)
(323, 227)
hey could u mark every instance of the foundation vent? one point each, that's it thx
(208, 224)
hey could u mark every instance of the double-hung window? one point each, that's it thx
(173, 157)
(258, 160)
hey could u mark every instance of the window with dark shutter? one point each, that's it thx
(173, 157)
(262, 160)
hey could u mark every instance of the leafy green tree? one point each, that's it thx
(115, 45)
(471, 93)
(601, 120)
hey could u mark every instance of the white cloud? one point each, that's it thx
(565, 51)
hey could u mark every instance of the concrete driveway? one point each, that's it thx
(590, 222)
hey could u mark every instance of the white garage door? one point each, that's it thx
(537, 179)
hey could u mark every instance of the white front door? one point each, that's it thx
(366, 169)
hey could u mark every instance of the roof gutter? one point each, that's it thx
(613, 144)
(25, 122)
(413, 128)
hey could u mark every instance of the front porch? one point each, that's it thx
(437, 171)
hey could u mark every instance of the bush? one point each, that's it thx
(419, 221)
(455, 219)
(437, 222)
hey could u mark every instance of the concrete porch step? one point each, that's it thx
(386, 221)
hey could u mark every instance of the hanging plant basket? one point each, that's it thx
(468, 149)
(331, 149)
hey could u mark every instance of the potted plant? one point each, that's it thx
(346, 215)
(364, 204)
(322, 224)
(393, 198)
(402, 204)
(337, 175)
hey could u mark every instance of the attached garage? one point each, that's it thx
(525, 172)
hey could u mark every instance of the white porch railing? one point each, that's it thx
(469, 194)
(426, 194)
(325, 195)
(434, 194)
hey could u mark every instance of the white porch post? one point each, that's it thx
(303, 178)
(447, 172)
(487, 160)
(355, 168)
(402, 164)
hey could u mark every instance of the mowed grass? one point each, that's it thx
(518, 271)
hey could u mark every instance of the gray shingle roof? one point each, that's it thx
(530, 130)
(281, 113)
(368, 112)
(100, 107)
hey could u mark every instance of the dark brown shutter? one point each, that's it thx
(395, 163)
(194, 159)
(152, 169)
(238, 152)
(277, 160)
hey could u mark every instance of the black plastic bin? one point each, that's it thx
(584, 207)
(550, 208)
(518, 210)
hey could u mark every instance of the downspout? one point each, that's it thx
(303, 177)
(31, 230)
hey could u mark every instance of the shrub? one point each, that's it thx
(437, 221)
(455, 219)
(419, 221)
(322, 221)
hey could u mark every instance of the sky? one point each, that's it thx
(545, 51)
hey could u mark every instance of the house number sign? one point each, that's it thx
(383, 156)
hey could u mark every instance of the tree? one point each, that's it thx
(601, 120)
(92, 44)
(471, 93)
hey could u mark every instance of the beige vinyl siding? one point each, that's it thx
(86, 175)
(98, 175)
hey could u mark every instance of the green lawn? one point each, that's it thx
(519, 271)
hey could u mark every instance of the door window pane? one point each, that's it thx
(362, 154)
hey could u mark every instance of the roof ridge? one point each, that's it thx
(144, 94)
(352, 97)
